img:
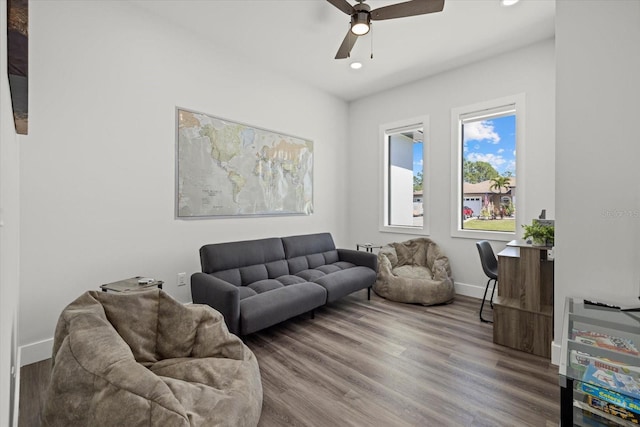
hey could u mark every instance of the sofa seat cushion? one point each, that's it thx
(343, 265)
(346, 281)
(246, 292)
(290, 279)
(329, 268)
(268, 308)
(310, 275)
(265, 285)
(313, 274)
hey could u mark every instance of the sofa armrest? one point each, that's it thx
(219, 294)
(365, 259)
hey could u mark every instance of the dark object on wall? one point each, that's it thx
(18, 61)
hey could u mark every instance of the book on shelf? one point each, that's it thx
(618, 399)
(580, 361)
(610, 408)
(597, 418)
(601, 340)
(616, 381)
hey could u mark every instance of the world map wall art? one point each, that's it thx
(227, 169)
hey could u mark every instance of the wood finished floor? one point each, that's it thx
(380, 363)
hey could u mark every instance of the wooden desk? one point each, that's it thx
(523, 310)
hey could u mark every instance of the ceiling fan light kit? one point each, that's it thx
(360, 23)
(362, 15)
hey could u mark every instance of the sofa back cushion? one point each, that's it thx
(246, 261)
(295, 246)
(309, 251)
(225, 256)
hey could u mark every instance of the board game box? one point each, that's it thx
(610, 342)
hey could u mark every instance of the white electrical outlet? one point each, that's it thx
(182, 279)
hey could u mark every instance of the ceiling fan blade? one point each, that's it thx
(346, 46)
(343, 6)
(407, 8)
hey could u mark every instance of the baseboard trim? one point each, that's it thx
(35, 352)
(474, 291)
(556, 349)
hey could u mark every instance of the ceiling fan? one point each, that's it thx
(362, 15)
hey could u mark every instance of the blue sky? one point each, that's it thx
(492, 141)
(417, 158)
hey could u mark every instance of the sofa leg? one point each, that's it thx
(369, 293)
(313, 314)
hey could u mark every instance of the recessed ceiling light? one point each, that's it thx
(508, 2)
(356, 65)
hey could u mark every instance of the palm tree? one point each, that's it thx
(498, 183)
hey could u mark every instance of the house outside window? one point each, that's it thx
(486, 139)
(404, 187)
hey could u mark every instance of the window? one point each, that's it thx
(404, 187)
(486, 140)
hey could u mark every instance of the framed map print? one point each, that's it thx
(228, 169)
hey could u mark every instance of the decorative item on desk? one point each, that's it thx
(541, 232)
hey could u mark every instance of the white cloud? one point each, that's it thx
(511, 166)
(492, 159)
(481, 131)
(501, 150)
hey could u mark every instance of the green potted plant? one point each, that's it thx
(540, 234)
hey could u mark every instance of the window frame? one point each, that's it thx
(384, 131)
(458, 114)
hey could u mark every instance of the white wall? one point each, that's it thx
(597, 152)
(97, 169)
(9, 234)
(529, 71)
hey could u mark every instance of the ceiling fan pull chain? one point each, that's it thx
(371, 41)
(351, 43)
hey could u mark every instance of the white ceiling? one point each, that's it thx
(299, 38)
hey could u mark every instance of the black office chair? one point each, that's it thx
(490, 268)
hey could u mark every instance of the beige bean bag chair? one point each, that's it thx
(415, 271)
(144, 359)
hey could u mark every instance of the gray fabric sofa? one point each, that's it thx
(258, 283)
